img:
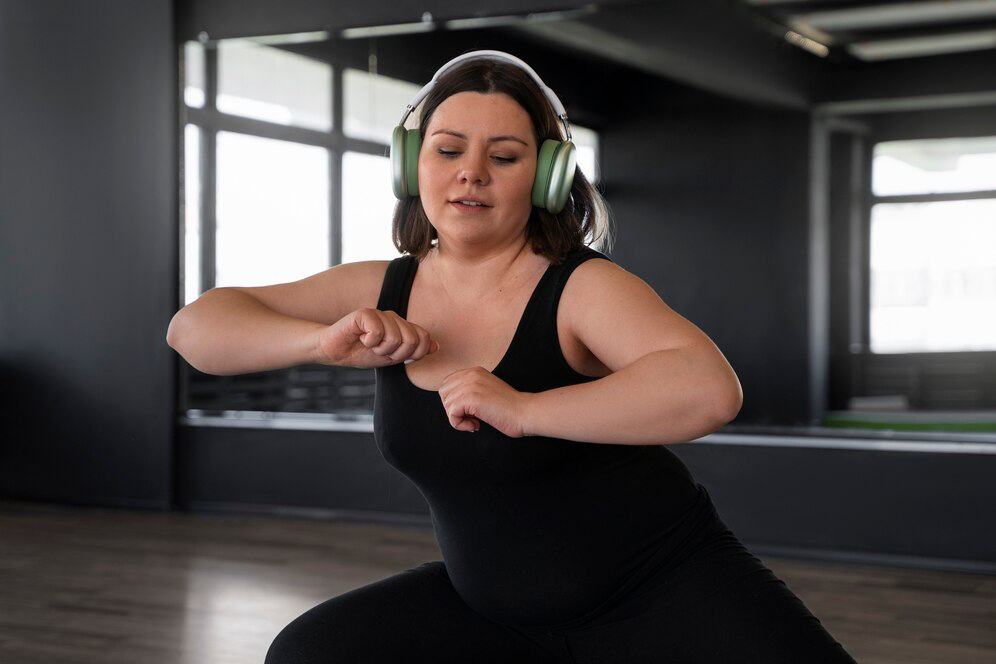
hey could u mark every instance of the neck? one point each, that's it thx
(472, 277)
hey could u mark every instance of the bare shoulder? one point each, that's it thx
(327, 296)
(619, 317)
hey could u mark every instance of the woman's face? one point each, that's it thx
(478, 148)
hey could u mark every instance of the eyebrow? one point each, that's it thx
(493, 139)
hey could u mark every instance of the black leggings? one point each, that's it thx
(719, 606)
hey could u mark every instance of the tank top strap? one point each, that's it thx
(565, 269)
(536, 361)
(397, 285)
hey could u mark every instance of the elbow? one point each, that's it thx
(179, 339)
(174, 333)
(730, 402)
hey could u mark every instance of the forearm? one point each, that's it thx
(228, 332)
(664, 397)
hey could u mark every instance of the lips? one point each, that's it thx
(470, 202)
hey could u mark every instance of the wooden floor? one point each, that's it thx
(88, 586)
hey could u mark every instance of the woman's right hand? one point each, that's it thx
(370, 338)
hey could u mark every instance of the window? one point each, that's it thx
(914, 327)
(933, 246)
(266, 83)
(367, 208)
(272, 217)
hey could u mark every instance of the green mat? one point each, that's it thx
(973, 421)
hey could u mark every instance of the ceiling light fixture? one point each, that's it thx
(811, 45)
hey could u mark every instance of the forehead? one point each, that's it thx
(477, 113)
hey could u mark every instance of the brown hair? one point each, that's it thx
(586, 213)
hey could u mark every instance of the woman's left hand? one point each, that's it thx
(474, 395)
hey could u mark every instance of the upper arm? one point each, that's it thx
(619, 318)
(327, 296)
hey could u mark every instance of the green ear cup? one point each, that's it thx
(405, 146)
(413, 145)
(561, 177)
(398, 162)
(544, 164)
(554, 175)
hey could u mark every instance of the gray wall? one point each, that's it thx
(710, 198)
(88, 245)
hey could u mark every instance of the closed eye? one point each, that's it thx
(452, 154)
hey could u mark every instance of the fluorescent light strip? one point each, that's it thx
(387, 30)
(912, 47)
(897, 15)
(295, 38)
(537, 17)
(807, 44)
(905, 104)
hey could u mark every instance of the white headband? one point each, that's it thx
(493, 55)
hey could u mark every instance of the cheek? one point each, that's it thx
(425, 182)
(524, 184)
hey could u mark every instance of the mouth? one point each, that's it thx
(469, 205)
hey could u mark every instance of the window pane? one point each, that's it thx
(273, 210)
(367, 208)
(934, 166)
(933, 277)
(587, 143)
(193, 68)
(373, 104)
(267, 83)
(191, 213)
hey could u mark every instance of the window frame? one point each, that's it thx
(926, 378)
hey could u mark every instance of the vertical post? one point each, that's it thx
(819, 265)
(209, 174)
(335, 169)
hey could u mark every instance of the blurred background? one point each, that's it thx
(811, 182)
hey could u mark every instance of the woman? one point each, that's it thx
(526, 384)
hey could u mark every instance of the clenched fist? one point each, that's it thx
(370, 338)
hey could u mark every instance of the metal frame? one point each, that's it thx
(827, 118)
(210, 121)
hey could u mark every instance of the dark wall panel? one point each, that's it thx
(872, 503)
(710, 202)
(927, 509)
(342, 472)
(88, 192)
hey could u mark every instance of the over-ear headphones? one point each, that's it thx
(555, 162)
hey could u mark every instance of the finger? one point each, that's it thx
(392, 337)
(369, 328)
(425, 344)
(421, 347)
(457, 414)
(409, 341)
(464, 423)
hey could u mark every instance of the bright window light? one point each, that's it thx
(272, 210)
(933, 276)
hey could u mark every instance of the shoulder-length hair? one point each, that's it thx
(585, 219)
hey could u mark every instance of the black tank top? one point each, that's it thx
(534, 530)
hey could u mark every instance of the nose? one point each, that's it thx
(474, 169)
